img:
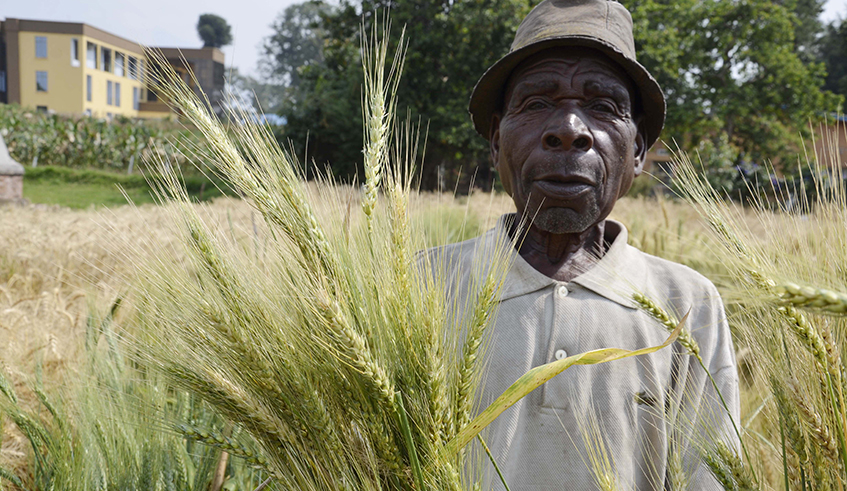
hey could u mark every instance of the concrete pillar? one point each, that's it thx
(11, 176)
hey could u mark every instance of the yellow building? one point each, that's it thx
(74, 68)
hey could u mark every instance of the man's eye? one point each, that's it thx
(535, 105)
(603, 106)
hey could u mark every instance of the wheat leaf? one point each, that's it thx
(538, 376)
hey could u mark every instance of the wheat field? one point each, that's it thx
(57, 265)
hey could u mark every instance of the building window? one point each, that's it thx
(135, 98)
(41, 109)
(106, 59)
(41, 46)
(87, 112)
(41, 81)
(91, 55)
(88, 88)
(118, 94)
(108, 92)
(132, 67)
(119, 64)
(2, 81)
(74, 52)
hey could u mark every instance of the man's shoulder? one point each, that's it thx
(682, 290)
(456, 253)
(663, 270)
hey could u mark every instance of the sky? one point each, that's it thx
(173, 23)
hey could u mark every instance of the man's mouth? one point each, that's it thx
(564, 187)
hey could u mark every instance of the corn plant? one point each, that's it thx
(35, 138)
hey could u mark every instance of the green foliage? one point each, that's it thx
(644, 185)
(451, 43)
(296, 43)
(324, 118)
(732, 68)
(117, 426)
(50, 139)
(214, 31)
(807, 26)
(718, 160)
(833, 52)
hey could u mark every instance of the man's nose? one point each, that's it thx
(566, 130)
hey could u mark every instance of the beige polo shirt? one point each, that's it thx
(538, 442)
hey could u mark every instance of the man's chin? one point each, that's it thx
(565, 220)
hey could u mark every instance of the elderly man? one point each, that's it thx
(570, 114)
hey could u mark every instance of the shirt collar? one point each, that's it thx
(614, 276)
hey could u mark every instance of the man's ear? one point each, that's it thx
(494, 140)
(640, 147)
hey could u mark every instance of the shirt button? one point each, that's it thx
(563, 291)
(560, 353)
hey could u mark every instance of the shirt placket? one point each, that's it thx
(560, 342)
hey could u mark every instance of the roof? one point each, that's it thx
(82, 29)
(192, 54)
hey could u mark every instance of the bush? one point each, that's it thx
(38, 138)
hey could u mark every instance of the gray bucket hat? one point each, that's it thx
(604, 25)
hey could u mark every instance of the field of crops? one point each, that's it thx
(62, 270)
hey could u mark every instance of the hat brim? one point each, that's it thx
(488, 93)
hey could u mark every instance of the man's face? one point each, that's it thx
(567, 144)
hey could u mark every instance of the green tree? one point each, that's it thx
(214, 31)
(735, 72)
(451, 43)
(833, 52)
(731, 70)
(807, 26)
(296, 42)
(250, 95)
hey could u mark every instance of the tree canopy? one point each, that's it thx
(297, 41)
(214, 31)
(741, 74)
(732, 69)
(833, 51)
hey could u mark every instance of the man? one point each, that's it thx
(570, 114)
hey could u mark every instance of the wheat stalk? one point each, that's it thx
(380, 89)
(771, 266)
(816, 299)
(685, 339)
(728, 468)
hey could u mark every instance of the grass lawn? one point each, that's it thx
(76, 195)
(82, 188)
